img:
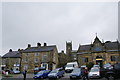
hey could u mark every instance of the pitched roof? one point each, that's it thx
(39, 49)
(112, 45)
(96, 40)
(85, 47)
(108, 45)
(12, 54)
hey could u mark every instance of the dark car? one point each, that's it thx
(42, 74)
(108, 66)
(37, 69)
(76, 73)
(113, 73)
(56, 73)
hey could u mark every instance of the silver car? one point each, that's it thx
(94, 73)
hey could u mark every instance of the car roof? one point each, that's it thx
(94, 68)
(45, 70)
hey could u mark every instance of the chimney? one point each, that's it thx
(38, 44)
(10, 50)
(45, 44)
(29, 45)
(19, 49)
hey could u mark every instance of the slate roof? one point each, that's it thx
(12, 54)
(97, 40)
(39, 49)
(108, 45)
(85, 47)
(112, 45)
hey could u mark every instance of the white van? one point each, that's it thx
(70, 66)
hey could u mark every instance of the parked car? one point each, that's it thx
(37, 69)
(56, 73)
(70, 66)
(108, 66)
(16, 71)
(113, 73)
(42, 74)
(83, 66)
(76, 73)
(94, 73)
(96, 66)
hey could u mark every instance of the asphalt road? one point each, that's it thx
(30, 77)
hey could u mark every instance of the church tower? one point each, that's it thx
(68, 50)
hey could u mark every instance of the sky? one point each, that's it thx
(55, 23)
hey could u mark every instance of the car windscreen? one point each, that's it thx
(94, 70)
(76, 71)
(36, 68)
(107, 65)
(96, 65)
(54, 71)
(69, 65)
(117, 66)
(41, 72)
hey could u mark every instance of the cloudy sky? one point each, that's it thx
(26, 23)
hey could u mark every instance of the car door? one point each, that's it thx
(46, 74)
(61, 72)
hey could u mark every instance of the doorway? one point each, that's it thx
(99, 61)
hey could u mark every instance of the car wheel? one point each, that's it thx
(63, 75)
(57, 77)
(42, 77)
(111, 77)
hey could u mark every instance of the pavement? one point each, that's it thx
(30, 77)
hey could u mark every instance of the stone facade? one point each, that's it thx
(71, 54)
(40, 56)
(11, 60)
(99, 53)
(62, 59)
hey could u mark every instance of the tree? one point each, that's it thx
(90, 65)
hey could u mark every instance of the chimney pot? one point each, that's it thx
(19, 49)
(38, 44)
(10, 50)
(29, 45)
(45, 44)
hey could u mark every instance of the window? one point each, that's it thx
(45, 65)
(44, 58)
(26, 59)
(25, 67)
(85, 59)
(36, 54)
(114, 58)
(36, 60)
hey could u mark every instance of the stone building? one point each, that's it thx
(99, 52)
(11, 60)
(62, 60)
(71, 54)
(39, 56)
